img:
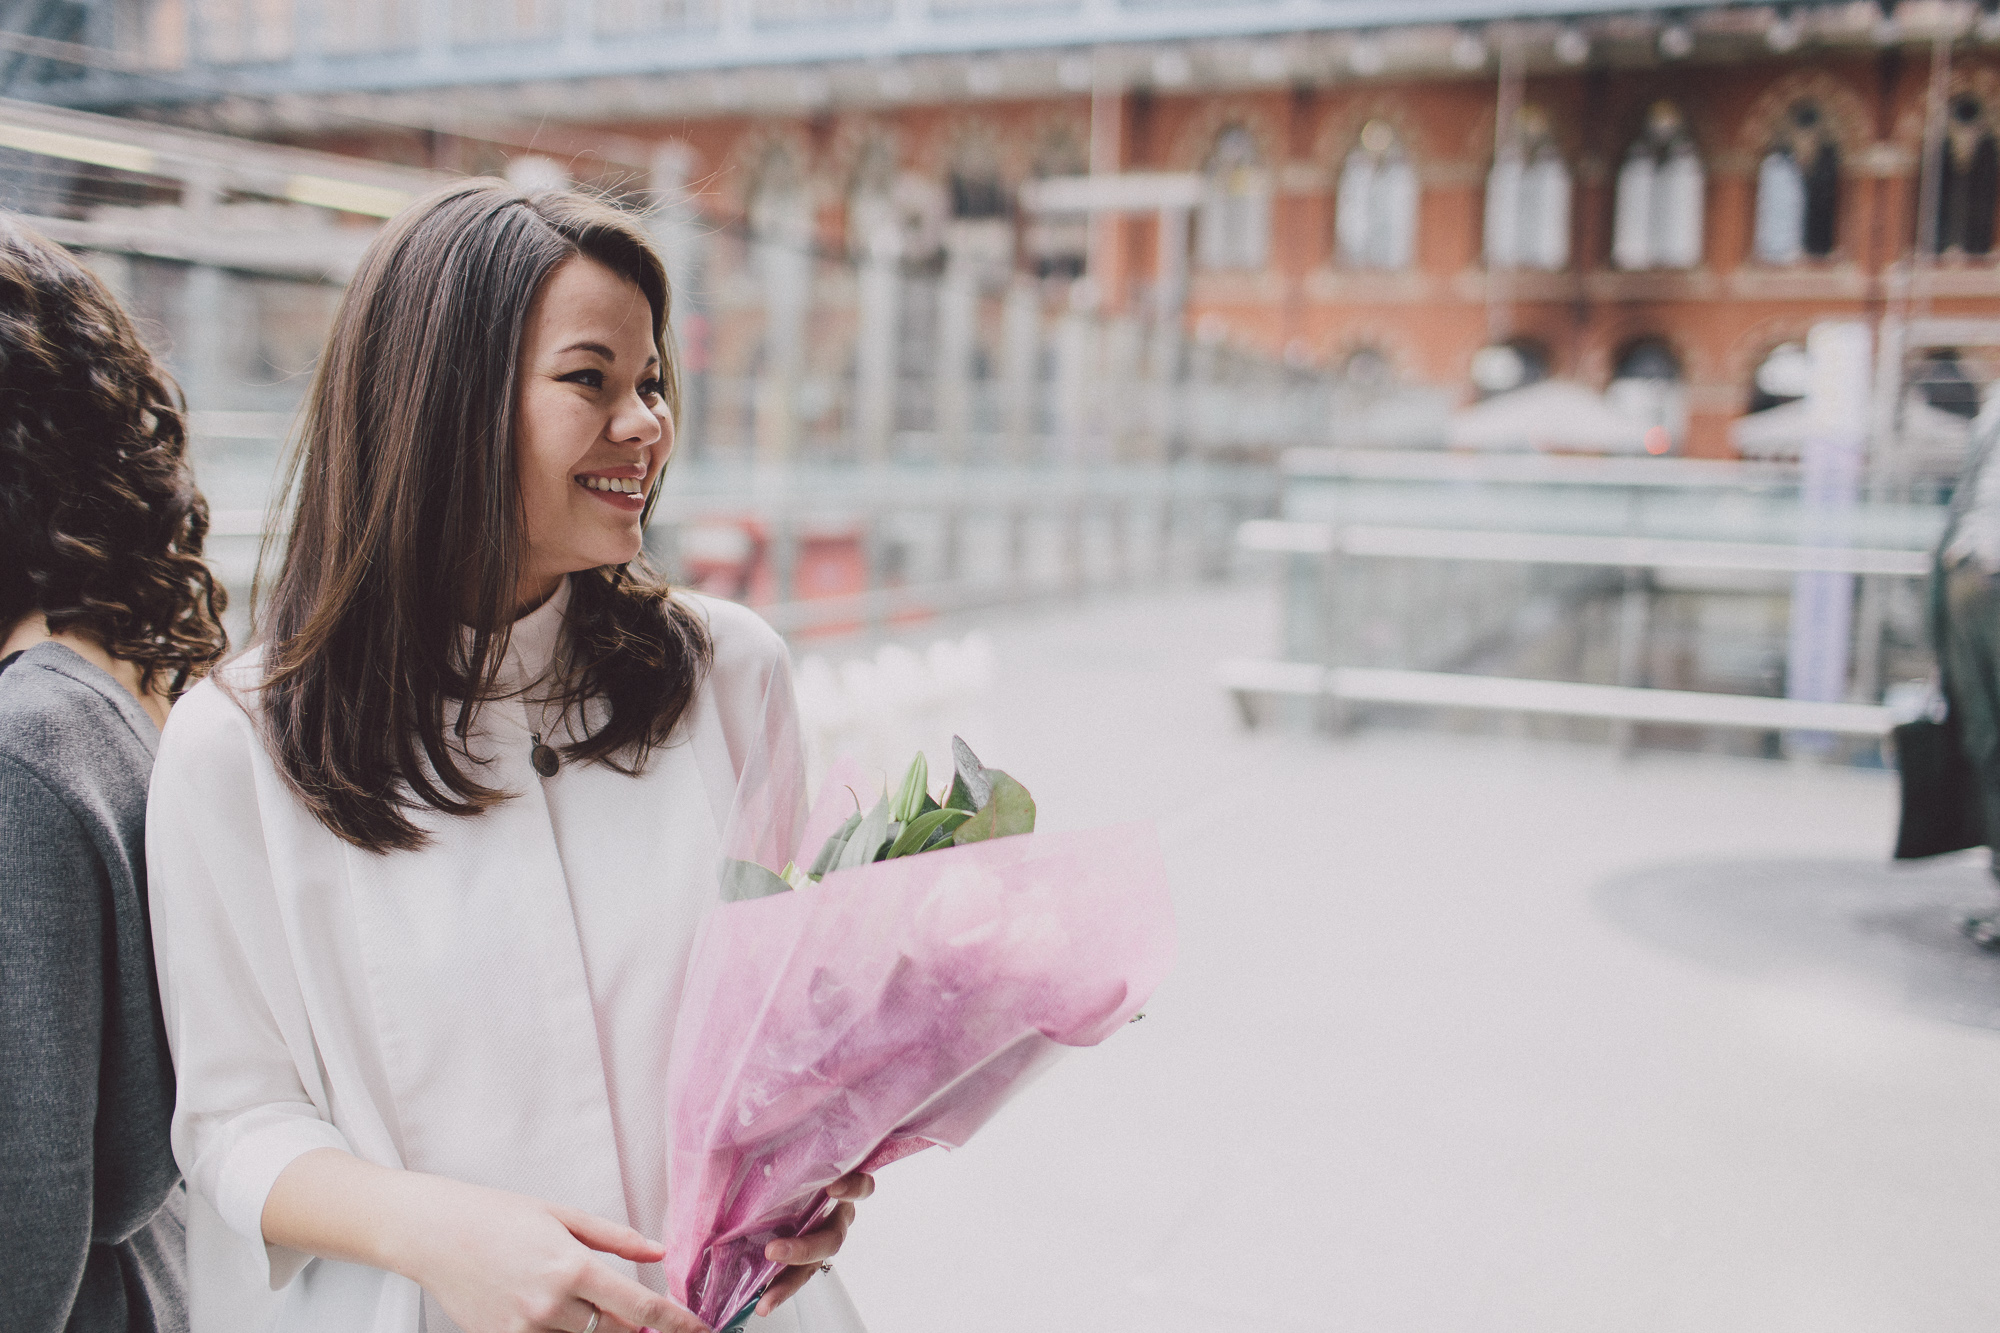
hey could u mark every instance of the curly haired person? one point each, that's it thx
(107, 613)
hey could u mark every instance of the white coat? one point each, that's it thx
(495, 1007)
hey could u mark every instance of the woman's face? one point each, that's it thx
(592, 429)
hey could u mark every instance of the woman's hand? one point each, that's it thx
(497, 1262)
(806, 1253)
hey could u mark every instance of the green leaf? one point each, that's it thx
(1011, 811)
(834, 844)
(968, 773)
(867, 840)
(744, 880)
(909, 797)
(923, 831)
(929, 804)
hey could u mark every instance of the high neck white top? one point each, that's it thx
(495, 1007)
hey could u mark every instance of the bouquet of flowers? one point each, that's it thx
(935, 955)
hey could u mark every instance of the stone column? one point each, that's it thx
(1816, 665)
(1020, 368)
(674, 223)
(783, 261)
(1077, 382)
(958, 314)
(878, 333)
(1169, 351)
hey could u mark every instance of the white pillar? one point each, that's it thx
(1822, 603)
(878, 332)
(1168, 350)
(1077, 382)
(958, 313)
(784, 264)
(1020, 367)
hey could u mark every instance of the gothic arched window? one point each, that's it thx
(1657, 223)
(1375, 208)
(1233, 228)
(1798, 189)
(1527, 199)
(1647, 386)
(1968, 180)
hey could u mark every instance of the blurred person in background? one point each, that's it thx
(1965, 632)
(107, 613)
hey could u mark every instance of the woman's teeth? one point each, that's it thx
(626, 485)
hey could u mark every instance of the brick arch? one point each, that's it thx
(1397, 346)
(1749, 348)
(1478, 140)
(854, 138)
(1846, 112)
(1981, 81)
(1196, 139)
(746, 155)
(1341, 130)
(949, 140)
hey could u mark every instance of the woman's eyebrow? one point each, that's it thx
(599, 348)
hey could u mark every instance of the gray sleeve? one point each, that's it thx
(52, 891)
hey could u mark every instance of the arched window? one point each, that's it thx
(1527, 199)
(1233, 228)
(1505, 366)
(1647, 387)
(1798, 189)
(1968, 179)
(975, 184)
(1056, 244)
(1375, 217)
(1660, 187)
(1783, 376)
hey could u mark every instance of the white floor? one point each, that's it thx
(1467, 1035)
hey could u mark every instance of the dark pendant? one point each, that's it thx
(544, 759)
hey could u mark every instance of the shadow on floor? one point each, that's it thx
(1886, 931)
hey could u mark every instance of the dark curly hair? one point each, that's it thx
(101, 526)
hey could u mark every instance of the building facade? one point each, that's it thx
(1414, 213)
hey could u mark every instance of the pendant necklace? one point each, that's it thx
(543, 757)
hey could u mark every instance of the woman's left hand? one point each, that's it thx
(804, 1254)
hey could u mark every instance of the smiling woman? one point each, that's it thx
(425, 869)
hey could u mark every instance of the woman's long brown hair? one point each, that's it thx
(388, 621)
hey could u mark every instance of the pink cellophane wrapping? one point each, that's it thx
(887, 1008)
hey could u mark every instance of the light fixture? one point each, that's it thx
(1269, 62)
(1468, 51)
(1887, 31)
(1785, 32)
(1365, 57)
(1676, 41)
(1572, 47)
(1172, 68)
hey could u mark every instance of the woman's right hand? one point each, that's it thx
(497, 1262)
(506, 1263)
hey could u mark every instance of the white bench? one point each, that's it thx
(1248, 678)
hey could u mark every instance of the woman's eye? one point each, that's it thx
(652, 389)
(593, 379)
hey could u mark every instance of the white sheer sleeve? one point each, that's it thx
(249, 1098)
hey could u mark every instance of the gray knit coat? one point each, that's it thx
(91, 1209)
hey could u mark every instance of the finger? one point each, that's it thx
(609, 1237)
(623, 1299)
(785, 1286)
(576, 1314)
(816, 1246)
(855, 1185)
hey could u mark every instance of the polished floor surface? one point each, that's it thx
(1468, 1035)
